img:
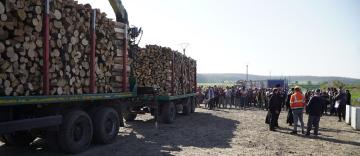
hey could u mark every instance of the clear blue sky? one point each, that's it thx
(286, 37)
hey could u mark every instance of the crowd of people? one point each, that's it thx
(234, 97)
(315, 103)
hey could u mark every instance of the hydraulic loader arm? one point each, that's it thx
(120, 11)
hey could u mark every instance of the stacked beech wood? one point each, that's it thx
(21, 48)
(117, 60)
(171, 71)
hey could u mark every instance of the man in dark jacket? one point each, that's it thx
(274, 109)
(315, 108)
(289, 118)
(348, 97)
(325, 97)
(341, 99)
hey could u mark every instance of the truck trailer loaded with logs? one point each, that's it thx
(70, 75)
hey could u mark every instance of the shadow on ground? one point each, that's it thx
(320, 136)
(199, 130)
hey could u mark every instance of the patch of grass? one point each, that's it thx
(355, 95)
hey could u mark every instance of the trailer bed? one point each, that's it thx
(28, 100)
(169, 97)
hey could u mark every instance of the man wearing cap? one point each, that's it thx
(297, 104)
(314, 107)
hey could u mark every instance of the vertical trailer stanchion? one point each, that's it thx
(93, 51)
(172, 74)
(183, 86)
(157, 105)
(195, 78)
(189, 75)
(125, 53)
(46, 88)
(195, 89)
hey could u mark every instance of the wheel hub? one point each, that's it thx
(109, 126)
(78, 132)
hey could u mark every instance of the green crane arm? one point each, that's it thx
(120, 11)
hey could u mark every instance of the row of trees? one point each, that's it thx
(335, 83)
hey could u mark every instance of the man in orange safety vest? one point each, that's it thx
(297, 105)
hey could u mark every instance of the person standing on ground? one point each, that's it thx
(244, 95)
(341, 99)
(206, 97)
(274, 109)
(216, 97)
(210, 97)
(332, 95)
(297, 104)
(227, 97)
(268, 95)
(315, 108)
(237, 98)
(325, 97)
(348, 98)
(233, 95)
(290, 118)
(221, 98)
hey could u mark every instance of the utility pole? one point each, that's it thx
(270, 74)
(247, 73)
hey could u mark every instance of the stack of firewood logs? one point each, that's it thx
(22, 47)
(171, 71)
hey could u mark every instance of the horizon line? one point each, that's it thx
(286, 75)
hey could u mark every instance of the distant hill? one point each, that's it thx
(218, 78)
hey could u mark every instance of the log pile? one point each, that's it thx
(21, 49)
(171, 71)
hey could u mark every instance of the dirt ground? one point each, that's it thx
(220, 132)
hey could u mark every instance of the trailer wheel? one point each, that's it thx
(193, 105)
(168, 113)
(106, 125)
(187, 107)
(76, 132)
(23, 138)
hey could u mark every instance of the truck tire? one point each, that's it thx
(106, 125)
(187, 107)
(168, 113)
(75, 133)
(19, 139)
(193, 105)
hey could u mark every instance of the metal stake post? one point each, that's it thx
(46, 87)
(93, 51)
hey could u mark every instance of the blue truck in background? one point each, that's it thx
(274, 83)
